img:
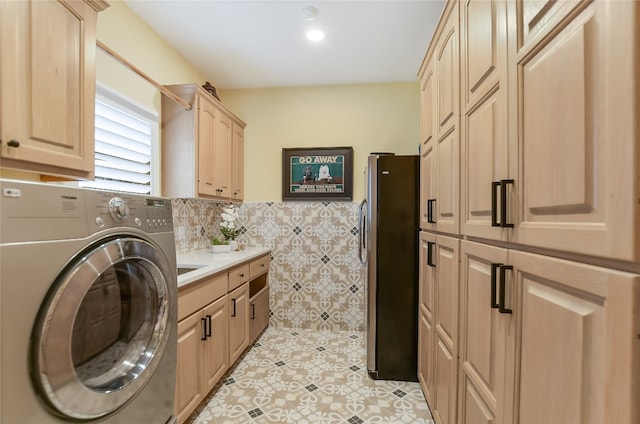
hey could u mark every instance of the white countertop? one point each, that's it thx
(208, 263)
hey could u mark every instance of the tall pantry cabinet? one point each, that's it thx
(548, 278)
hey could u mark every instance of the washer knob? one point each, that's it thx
(118, 209)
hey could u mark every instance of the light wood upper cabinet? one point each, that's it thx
(199, 155)
(447, 71)
(206, 115)
(440, 148)
(427, 102)
(487, 158)
(47, 86)
(575, 110)
(222, 156)
(237, 162)
(427, 182)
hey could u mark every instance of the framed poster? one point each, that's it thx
(318, 173)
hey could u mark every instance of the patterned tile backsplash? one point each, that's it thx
(316, 278)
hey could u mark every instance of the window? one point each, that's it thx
(125, 137)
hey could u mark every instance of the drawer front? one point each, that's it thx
(238, 276)
(197, 295)
(259, 266)
(258, 313)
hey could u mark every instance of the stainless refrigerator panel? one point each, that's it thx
(392, 274)
(372, 218)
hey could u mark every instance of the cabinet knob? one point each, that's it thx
(13, 143)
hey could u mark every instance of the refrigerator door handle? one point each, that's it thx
(362, 233)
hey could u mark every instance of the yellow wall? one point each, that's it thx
(369, 117)
(120, 29)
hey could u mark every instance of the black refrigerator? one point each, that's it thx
(389, 232)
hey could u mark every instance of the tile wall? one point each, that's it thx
(316, 278)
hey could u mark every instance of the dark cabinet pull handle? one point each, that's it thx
(430, 244)
(241, 275)
(503, 205)
(209, 322)
(253, 311)
(204, 329)
(13, 143)
(494, 203)
(494, 277)
(501, 307)
(233, 314)
(430, 203)
(502, 184)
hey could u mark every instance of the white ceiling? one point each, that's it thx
(252, 44)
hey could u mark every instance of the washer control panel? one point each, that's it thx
(35, 211)
(152, 214)
(118, 209)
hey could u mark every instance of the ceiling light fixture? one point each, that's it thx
(309, 13)
(315, 35)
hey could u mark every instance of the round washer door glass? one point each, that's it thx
(104, 328)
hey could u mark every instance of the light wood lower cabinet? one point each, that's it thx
(238, 321)
(218, 317)
(259, 307)
(577, 345)
(484, 332)
(438, 329)
(545, 340)
(203, 355)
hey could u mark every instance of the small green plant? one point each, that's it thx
(216, 241)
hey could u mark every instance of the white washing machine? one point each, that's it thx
(88, 306)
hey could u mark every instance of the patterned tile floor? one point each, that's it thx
(305, 376)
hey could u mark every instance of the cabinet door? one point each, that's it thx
(215, 350)
(447, 69)
(580, 150)
(427, 103)
(426, 315)
(446, 329)
(446, 206)
(48, 86)
(237, 163)
(189, 363)
(222, 155)
(486, 155)
(427, 186)
(447, 148)
(206, 127)
(484, 332)
(578, 342)
(238, 322)
(258, 313)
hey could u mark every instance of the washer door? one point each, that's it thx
(103, 330)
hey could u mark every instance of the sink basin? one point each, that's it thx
(185, 269)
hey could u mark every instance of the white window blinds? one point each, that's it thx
(123, 147)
